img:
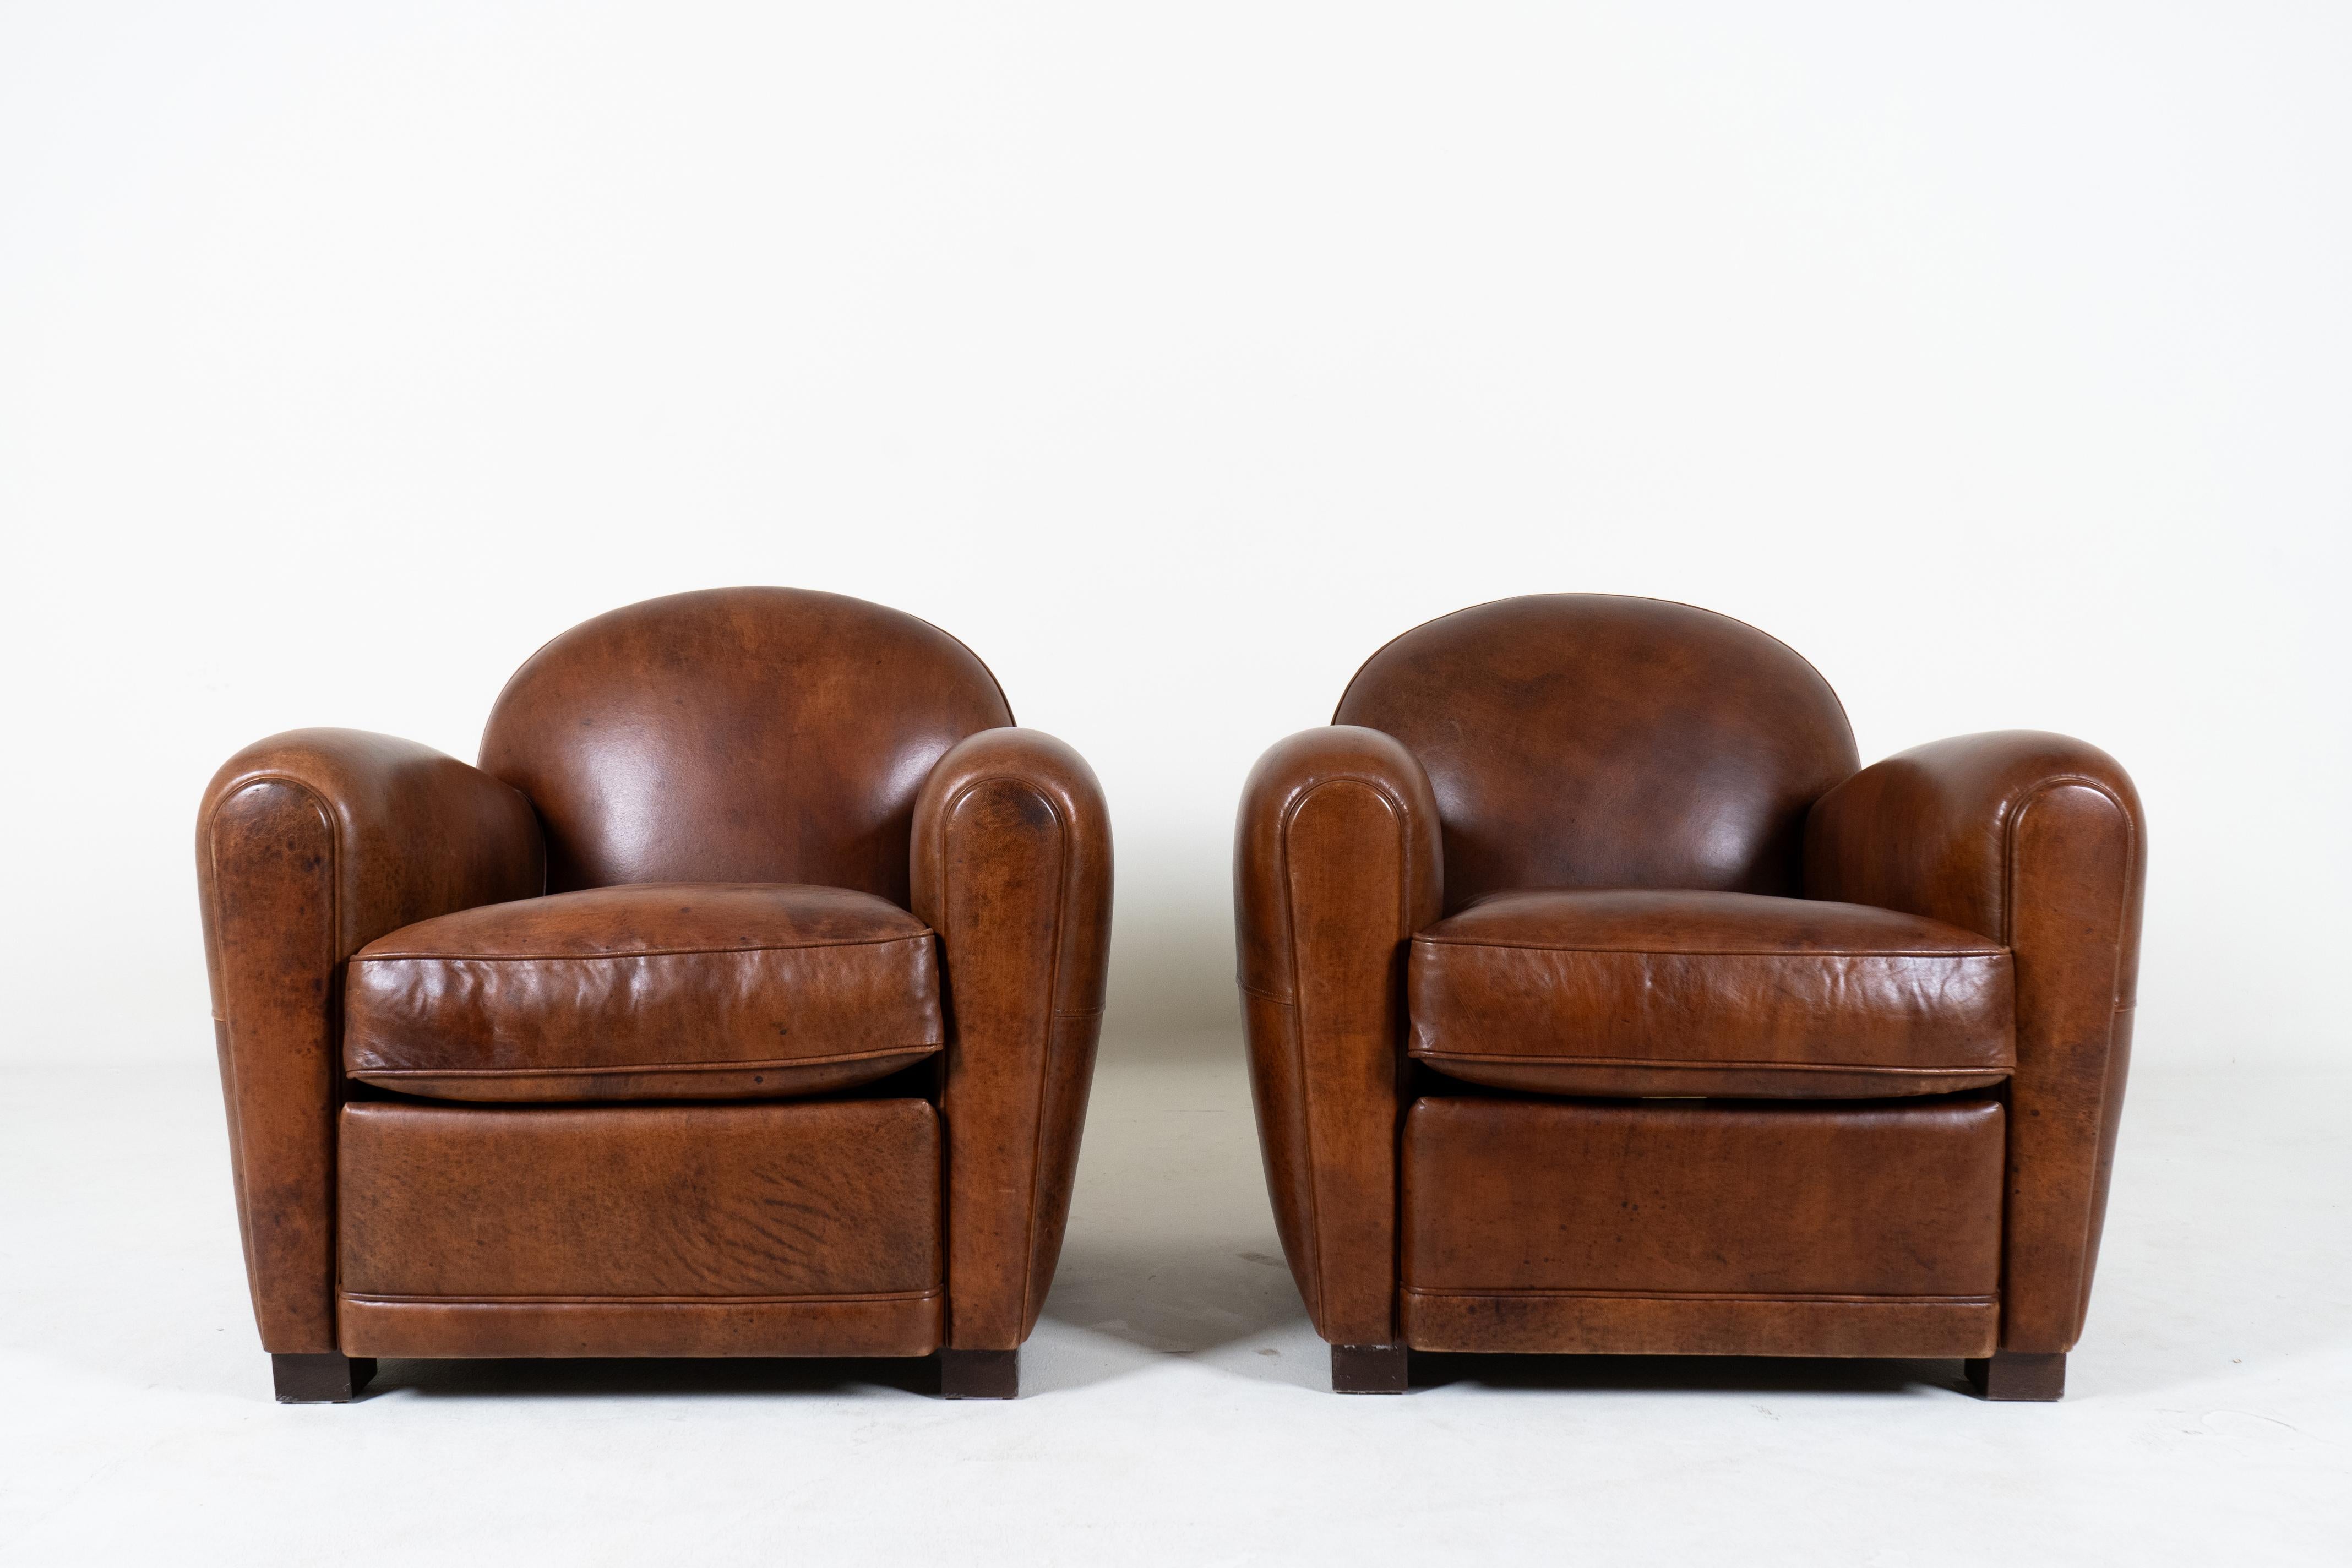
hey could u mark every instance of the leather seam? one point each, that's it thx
(1646, 1062)
(2010, 823)
(1425, 939)
(1398, 810)
(1064, 869)
(1761, 1297)
(332, 1031)
(402, 1299)
(624, 957)
(927, 1048)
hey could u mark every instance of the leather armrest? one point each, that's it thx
(310, 844)
(1012, 867)
(2036, 841)
(1338, 861)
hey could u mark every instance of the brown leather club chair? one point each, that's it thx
(1597, 1003)
(742, 1003)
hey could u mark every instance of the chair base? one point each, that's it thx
(326, 1378)
(979, 1375)
(1370, 1369)
(2006, 1375)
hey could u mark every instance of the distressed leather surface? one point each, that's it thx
(638, 1230)
(1636, 991)
(1336, 861)
(650, 991)
(2038, 841)
(1013, 868)
(310, 844)
(1702, 1228)
(737, 735)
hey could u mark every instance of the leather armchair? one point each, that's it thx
(1598, 1002)
(742, 1002)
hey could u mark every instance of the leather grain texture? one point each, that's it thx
(684, 872)
(1593, 740)
(1962, 917)
(1640, 991)
(664, 990)
(1336, 861)
(2038, 841)
(737, 735)
(308, 845)
(1702, 1228)
(668, 1230)
(1012, 866)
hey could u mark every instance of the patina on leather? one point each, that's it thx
(1612, 848)
(683, 873)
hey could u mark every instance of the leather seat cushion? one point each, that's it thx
(650, 991)
(1642, 991)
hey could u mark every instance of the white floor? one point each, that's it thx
(1176, 1406)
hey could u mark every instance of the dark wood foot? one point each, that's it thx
(979, 1375)
(1369, 1368)
(325, 1379)
(2013, 1374)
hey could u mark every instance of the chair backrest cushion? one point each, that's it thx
(1593, 740)
(737, 735)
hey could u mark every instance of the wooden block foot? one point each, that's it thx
(1369, 1368)
(322, 1379)
(979, 1375)
(2015, 1376)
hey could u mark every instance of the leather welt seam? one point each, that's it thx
(1805, 956)
(387, 1299)
(1761, 1297)
(624, 957)
(777, 1062)
(1066, 868)
(1322, 1307)
(1646, 1062)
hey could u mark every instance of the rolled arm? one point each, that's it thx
(1012, 867)
(309, 844)
(1336, 863)
(2036, 841)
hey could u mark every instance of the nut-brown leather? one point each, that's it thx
(1593, 740)
(737, 735)
(655, 990)
(1013, 868)
(742, 736)
(2038, 841)
(1702, 1228)
(1572, 741)
(1663, 992)
(309, 844)
(462, 1224)
(1336, 862)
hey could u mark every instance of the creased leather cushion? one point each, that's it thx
(1634, 991)
(708, 991)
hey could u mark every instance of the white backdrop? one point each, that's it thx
(1999, 359)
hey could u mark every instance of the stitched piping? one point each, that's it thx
(2123, 913)
(1397, 810)
(923, 935)
(383, 1298)
(1426, 940)
(924, 1048)
(1646, 1062)
(332, 1045)
(1759, 1297)
(1062, 841)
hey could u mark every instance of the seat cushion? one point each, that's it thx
(1639, 993)
(652, 991)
